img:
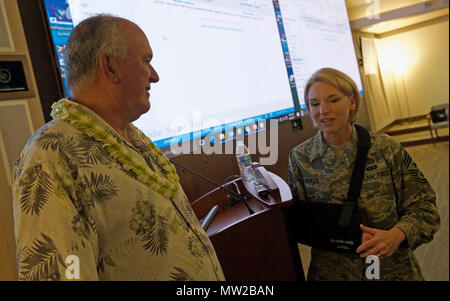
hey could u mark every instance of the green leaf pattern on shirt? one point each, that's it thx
(41, 260)
(80, 189)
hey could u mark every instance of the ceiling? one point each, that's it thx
(393, 14)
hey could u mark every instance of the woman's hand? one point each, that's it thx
(382, 243)
(365, 237)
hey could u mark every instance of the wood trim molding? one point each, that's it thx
(42, 54)
(412, 27)
(407, 11)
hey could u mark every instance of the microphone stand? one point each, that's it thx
(232, 193)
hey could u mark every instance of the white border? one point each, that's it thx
(8, 31)
(3, 153)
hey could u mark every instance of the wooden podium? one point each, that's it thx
(252, 246)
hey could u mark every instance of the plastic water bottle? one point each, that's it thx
(244, 161)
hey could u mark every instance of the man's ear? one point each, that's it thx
(108, 68)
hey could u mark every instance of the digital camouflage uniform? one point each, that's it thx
(394, 193)
(80, 189)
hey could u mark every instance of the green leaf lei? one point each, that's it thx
(78, 116)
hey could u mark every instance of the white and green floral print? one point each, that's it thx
(82, 190)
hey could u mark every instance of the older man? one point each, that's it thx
(94, 199)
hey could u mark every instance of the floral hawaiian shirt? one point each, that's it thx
(89, 205)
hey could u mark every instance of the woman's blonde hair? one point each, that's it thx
(340, 81)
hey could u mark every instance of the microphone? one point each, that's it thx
(209, 217)
(232, 193)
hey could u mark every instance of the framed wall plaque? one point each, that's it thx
(6, 41)
(15, 81)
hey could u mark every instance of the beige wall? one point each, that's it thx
(7, 245)
(424, 55)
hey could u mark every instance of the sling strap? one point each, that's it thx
(357, 176)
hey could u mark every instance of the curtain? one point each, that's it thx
(374, 96)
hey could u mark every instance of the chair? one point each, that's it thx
(437, 119)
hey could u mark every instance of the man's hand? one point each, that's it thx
(382, 243)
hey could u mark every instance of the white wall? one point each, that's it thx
(423, 53)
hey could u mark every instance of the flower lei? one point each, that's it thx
(76, 115)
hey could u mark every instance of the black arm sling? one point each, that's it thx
(334, 227)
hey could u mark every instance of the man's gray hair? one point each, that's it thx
(89, 40)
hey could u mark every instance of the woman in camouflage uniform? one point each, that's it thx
(396, 199)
